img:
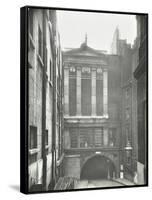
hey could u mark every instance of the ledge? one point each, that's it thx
(73, 156)
(86, 117)
(97, 149)
(33, 151)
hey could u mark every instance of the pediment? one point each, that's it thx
(84, 50)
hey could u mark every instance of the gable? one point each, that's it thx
(84, 50)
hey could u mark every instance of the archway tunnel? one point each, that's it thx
(98, 167)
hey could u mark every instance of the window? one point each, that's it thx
(46, 137)
(99, 94)
(91, 137)
(98, 137)
(39, 42)
(86, 138)
(74, 138)
(33, 137)
(30, 22)
(86, 92)
(72, 91)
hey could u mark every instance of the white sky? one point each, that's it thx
(100, 27)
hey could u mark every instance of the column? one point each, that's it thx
(78, 91)
(105, 136)
(105, 93)
(93, 91)
(66, 91)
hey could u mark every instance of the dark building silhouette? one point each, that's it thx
(140, 74)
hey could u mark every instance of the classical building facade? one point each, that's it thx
(92, 113)
(45, 100)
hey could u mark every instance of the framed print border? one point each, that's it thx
(84, 111)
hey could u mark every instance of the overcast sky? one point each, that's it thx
(100, 27)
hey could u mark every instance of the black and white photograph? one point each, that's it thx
(86, 99)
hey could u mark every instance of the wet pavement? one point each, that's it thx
(96, 183)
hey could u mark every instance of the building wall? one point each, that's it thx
(35, 100)
(87, 133)
(72, 166)
(43, 60)
(128, 57)
(140, 75)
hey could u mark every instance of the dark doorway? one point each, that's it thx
(98, 167)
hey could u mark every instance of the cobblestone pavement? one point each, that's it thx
(96, 183)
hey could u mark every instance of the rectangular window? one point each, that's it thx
(99, 92)
(72, 92)
(84, 138)
(99, 97)
(98, 137)
(74, 138)
(33, 137)
(86, 96)
(46, 137)
(90, 137)
(86, 91)
(39, 42)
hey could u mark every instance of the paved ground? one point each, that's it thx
(96, 183)
(124, 181)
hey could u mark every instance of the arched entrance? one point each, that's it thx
(98, 167)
